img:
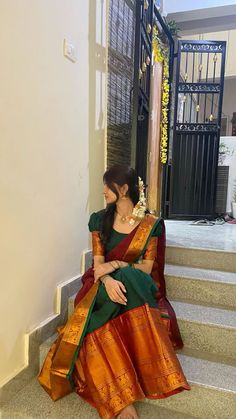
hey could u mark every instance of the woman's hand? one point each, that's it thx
(102, 269)
(115, 290)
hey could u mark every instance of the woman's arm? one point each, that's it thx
(145, 266)
(98, 260)
(101, 268)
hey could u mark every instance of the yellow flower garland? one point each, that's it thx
(161, 56)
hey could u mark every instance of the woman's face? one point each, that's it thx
(109, 195)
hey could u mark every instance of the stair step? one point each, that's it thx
(87, 260)
(33, 402)
(71, 305)
(205, 286)
(219, 260)
(44, 348)
(201, 274)
(208, 373)
(207, 315)
(213, 393)
(211, 331)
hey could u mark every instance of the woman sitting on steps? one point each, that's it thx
(118, 345)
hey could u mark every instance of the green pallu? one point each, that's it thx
(140, 290)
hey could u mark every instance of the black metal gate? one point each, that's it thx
(196, 129)
(147, 15)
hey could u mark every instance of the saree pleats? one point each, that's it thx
(127, 359)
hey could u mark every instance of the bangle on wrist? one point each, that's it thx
(103, 278)
(112, 266)
(118, 264)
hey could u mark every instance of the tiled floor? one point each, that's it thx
(217, 237)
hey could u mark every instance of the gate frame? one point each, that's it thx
(155, 15)
(167, 175)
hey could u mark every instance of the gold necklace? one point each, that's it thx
(124, 218)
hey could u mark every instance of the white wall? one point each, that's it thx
(51, 158)
(230, 160)
(173, 6)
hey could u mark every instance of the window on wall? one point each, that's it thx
(120, 80)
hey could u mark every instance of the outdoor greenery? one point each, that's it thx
(224, 151)
(173, 28)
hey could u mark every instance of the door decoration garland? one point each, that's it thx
(160, 53)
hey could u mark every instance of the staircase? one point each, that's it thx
(201, 285)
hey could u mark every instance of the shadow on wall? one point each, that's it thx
(98, 15)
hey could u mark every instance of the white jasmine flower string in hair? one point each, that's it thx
(140, 208)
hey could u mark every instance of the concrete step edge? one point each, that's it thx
(201, 274)
(201, 291)
(209, 374)
(207, 315)
(206, 355)
(204, 249)
(218, 260)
